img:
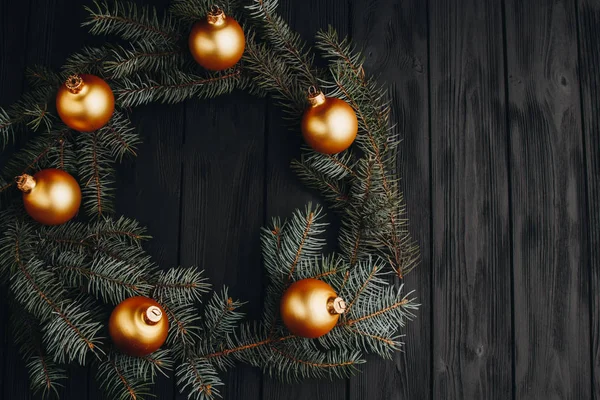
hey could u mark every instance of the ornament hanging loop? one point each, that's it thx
(315, 96)
(74, 83)
(216, 15)
(25, 183)
(336, 305)
(152, 315)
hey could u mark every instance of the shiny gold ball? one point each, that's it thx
(218, 42)
(329, 125)
(51, 196)
(85, 102)
(138, 326)
(310, 308)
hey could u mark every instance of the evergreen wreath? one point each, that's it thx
(65, 279)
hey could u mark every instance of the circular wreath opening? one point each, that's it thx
(66, 279)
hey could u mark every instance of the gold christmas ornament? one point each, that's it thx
(51, 196)
(85, 102)
(310, 308)
(138, 326)
(329, 125)
(218, 42)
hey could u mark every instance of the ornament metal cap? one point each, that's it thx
(74, 83)
(152, 315)
(315, 97)
(215, 16)
(336, 305)
(25, 183)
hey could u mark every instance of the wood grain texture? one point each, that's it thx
(393, 36)
(13, 40)
(149, 190)
(588, 12)
(548, 198)
(210, 173)
(471, 246)
(284, 192)
(222, 206)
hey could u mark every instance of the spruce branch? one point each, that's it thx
(97, 153)
(89, 60)
(120, 384)
(191, 11)
(330, 174)
(370, 102)
(184, 327)
(142, 57)
(182, 285)
(198, 378)
(45, 376)
(105, 278)
(51, 149)
(30, 112)
(69, 331)
(274, 77)
(145, 368)
(174, 87)
(221, 317)
(133, 23)
(97, 175)
(285, 42)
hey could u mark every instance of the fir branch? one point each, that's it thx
(221, 317)
(110, 280)
(45, 375)
(287, 43)
(119, 384)
(119, 137)
(145, 368)
(301, 239)
(131, 23)
(89, 60)
(274, 77)
(191, 11)
(30, 112)
(51, 149)
(142, 57)
(180, 285)
(174, 87)
(199, 379)
(294, 365)
(184, 328)
(69, 332)
(96, 174)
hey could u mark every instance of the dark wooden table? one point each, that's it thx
(498, 104)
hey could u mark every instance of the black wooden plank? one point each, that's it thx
(51, 38)
(551, 273)
(393, 35)
(284, 191)
(589, 64)
(222, 206)
(14, 19)
(149, 190)
(471, 246)
(46, 42)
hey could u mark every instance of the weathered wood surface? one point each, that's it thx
(498, 106)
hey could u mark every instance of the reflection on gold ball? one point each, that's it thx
(138, 326)
(218, 42)
(310, 308)
(85, 102)
(51, 196)
(329, 125)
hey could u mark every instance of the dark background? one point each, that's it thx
(497, 102)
